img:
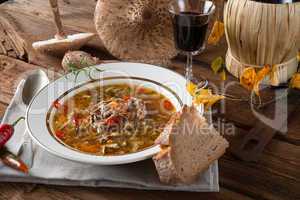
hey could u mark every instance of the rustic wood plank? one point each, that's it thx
(257, 181)
(11, 43)
(275, 176)
(277, 168)
(34, 21)
(12, 71)
(30, 191)
(2, 109)
(129, 194)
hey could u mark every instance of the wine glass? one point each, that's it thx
(190, 21)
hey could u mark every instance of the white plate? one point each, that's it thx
(165, 81)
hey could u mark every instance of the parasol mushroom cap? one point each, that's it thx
(138, 30)
(61, 46)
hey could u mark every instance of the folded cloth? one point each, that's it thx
(46, 168)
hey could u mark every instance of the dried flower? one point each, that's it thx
(251, 79)
(295, 81)
(203, 96)
(216, 33)
(247, 80)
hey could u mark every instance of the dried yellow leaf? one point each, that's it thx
(191, 88)
(261, 74)
(295, 81)
(218, 67)
(223, 74)
(217, 64)
(248, 78)
(251, 80)
(205, 97)
(216, 33)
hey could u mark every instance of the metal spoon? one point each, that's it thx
(32, 85)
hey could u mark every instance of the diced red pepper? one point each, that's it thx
(66, 109)
(75, 121)
(76, 118)
(112, 120)
(56, 104)
(168, 105)
(126, 98)
(60, 134)
(141, 90)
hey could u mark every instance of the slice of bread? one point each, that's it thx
(189, 145)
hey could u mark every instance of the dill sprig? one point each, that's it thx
(83, 67)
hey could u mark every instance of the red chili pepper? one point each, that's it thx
(6, 131)
(13, 161)
(168, 105)
(60, 134)
(112, 120)
(56, 104)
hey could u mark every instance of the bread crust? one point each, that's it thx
(165, 166)
(169, 169)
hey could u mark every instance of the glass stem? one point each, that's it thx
(189, 67)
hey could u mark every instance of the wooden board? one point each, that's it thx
(275, 176)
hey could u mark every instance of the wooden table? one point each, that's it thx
(275, 176)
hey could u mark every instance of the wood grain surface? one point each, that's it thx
(275, 176)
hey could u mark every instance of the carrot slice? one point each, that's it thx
(168, 105)
(126, 98)
(113, 104)
(141, 90)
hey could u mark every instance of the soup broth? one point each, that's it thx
(111, 120)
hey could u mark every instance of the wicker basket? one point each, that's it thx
(262, 33)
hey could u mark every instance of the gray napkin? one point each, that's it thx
(46, 168)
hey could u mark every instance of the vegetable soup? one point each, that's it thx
(111, 120)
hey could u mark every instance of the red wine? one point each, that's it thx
(190, 30)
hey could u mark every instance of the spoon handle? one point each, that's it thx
(54, 7)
